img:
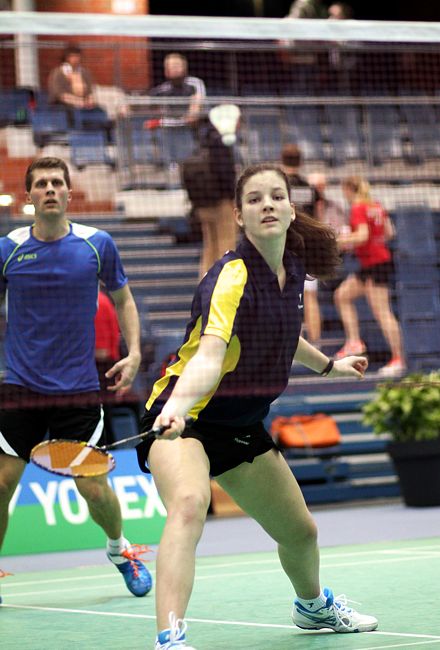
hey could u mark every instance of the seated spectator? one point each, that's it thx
(371, 228)
(179, 85)
(71, 85)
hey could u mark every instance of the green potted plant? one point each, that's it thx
(409, 410)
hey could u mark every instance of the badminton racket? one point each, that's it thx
(79, 459)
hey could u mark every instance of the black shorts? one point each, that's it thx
(26, 417)
(379, 273)
(226, 447)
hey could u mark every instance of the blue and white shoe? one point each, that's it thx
(137, 577)
(174, 638)
(3, 574)
(334, 615)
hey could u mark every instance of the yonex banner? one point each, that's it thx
(48, 514)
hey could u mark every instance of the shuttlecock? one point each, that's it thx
(225, 119)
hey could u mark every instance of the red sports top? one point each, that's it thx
(374, 250)
(106, 327)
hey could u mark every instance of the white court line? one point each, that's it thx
(399, 645)
(275, 560)
(388, 560)
(207, 621)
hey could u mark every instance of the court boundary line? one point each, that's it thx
(406, 635)
(199, 578)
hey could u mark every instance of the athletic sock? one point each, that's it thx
(312, 604)
(115, 548)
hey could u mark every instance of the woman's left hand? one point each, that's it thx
(349, 367)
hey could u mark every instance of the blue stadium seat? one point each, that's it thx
(264, 137)
(89, 149)
(175, 143)
(14, 106)
(49, 125)
(384, 134)
(303, 127)
(91, 118)
(418, 300)
(415, 232)
(345, 133)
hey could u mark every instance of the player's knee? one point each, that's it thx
(94, 492)
(191, 507)
(304, 535)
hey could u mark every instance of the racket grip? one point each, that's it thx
(158, 431)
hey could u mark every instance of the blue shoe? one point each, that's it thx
(137, 577)
(3, 574)
(334, 615)
(174, 638)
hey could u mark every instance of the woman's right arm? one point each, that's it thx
(199, 377)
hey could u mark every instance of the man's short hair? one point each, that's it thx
(46, 163)
(71, 49)
(291, 155)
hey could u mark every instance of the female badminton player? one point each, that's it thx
(236, 359)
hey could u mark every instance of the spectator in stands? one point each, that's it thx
(341, 62)
(340, 11)
(70, 84)
(236, 359)
(305, 199)
(301, 65)
(178, 85)
(51, 271)
(371, 228)
(209, 178)
(307, 9)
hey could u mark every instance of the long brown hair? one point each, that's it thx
(314, 242)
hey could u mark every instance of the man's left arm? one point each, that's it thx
(124, 371)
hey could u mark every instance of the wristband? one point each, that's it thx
(327, 370)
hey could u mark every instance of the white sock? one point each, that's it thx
(115, 548)
(312, 604)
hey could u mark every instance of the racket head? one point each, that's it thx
(74, 458)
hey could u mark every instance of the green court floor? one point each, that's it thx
(239, 601)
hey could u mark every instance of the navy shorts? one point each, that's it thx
(379, 273)
(26, 418)
(226, 447)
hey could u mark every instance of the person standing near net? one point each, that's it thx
(50, 274)
(235, 360)
(178, 85)
(371, 227)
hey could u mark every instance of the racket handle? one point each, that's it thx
(158, 431)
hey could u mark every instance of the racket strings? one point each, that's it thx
(72, 458)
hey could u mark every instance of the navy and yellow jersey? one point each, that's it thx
(240, 301)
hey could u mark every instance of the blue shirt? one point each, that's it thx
(51, 301)
(240, 301)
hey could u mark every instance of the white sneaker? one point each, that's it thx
(174, 637)
(334, 615)
(395, 368)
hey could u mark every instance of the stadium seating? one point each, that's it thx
(384, 134)
(49, 125)
(14, 106)
(89, 149)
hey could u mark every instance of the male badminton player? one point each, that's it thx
(50, 274)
